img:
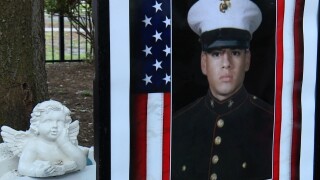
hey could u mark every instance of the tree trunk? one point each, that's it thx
(23, 80)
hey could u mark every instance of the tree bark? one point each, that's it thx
(23, 80)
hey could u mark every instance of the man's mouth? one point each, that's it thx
(226, 78)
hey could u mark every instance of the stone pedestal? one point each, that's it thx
(88, 173)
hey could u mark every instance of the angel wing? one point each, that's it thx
(73, 132)
(16, 140)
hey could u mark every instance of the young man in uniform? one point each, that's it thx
(227, 134)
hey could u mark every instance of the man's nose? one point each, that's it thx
(226, 57)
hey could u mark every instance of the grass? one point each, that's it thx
(85, 93)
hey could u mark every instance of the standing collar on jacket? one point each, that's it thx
(233, 102)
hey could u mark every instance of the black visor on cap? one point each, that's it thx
(225, 38)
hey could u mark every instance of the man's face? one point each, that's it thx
(225, 70)
(51, 125)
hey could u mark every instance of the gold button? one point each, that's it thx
(213, 176)
(217, 140)
(215, 159)
(184, 168)
(220, 123)
(244, 165)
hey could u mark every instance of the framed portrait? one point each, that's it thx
(156, 71)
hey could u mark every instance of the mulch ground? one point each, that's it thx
(72, 85)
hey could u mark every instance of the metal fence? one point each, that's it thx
(63, 41)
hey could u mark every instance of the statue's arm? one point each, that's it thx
(26, 163)
(72, 151)
(29, 165)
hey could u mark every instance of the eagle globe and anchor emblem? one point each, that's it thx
(224, 5)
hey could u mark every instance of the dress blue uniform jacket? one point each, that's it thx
(229, 140)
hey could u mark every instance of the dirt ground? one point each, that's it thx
(72, 85)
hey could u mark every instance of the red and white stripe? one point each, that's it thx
(151, 136)
(296, 43)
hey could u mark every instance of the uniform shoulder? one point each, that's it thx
(188, 109)
(261, 104)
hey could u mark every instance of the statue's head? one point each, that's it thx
(43, 109)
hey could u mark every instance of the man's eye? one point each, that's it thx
(215, 53)
(236, 53)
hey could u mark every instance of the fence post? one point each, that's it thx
(102, 126)
(61, 37)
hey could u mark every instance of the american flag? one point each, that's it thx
(296, 145)
(150, 46)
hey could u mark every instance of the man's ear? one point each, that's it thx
(204, 63)
(247, 59)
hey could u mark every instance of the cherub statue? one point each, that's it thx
(49, 147)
